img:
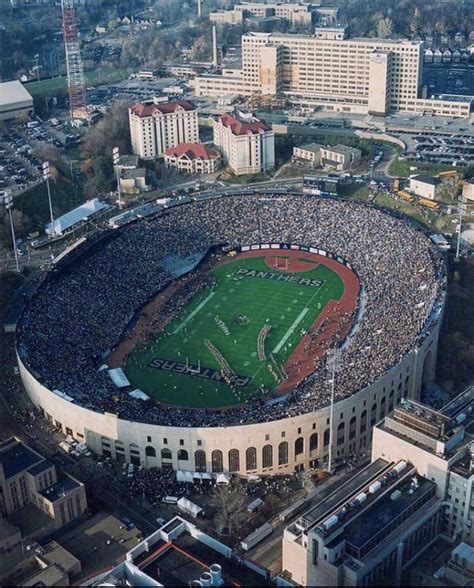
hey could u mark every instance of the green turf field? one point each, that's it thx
(231, 315)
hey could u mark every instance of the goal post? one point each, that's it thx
(284, 263)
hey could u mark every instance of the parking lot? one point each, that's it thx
(456, 150)
(19, 167)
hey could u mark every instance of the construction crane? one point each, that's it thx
(75, 71)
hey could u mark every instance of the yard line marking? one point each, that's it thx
(291, 330)
(180, 327)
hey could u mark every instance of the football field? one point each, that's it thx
(234, 337)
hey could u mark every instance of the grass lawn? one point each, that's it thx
(231, 314)
(356, 191)
(45, 88)
(34, 202)
(401, 168)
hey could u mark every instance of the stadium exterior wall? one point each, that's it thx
(136, 442)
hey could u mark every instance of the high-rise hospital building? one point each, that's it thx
(328, 70)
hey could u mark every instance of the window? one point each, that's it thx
(299, 446)
(313, 442)
(150, 451)
(267, 456)
(217, 461)
(326, 437)
(283, 453)
(251, 458)
(234, 460)
(200, 460)
(148, 439)
(340, 433)
(166, 453)
(183, 455)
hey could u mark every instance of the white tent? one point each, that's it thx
(139, 394)
(76, 216)
(223, 479)
(119, 378)
(189, 507)
(184, 476)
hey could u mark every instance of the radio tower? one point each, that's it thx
(75, 72)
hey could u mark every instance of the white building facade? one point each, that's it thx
(247, 144)
(154, 128)
(330, 71)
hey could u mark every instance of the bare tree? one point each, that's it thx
(231, 504)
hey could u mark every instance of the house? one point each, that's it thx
(308, 155)
(340, 157)
(194, 158)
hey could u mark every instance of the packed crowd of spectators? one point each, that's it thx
(81, 313)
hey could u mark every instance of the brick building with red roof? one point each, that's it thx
(193, 158)
(154, 128)
(246, 143)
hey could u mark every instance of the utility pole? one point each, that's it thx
(9, 206)
(46, 177)
(115, 158)
(333, 363)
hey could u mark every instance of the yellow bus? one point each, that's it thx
(448, 174)
(407, 197)
(429, 203)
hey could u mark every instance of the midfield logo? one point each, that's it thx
(291, 279)
(178, 367)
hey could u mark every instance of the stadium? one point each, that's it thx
(198, 338)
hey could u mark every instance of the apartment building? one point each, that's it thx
(154, 128)
(26, 477)
(246, 143)
(441, 446)
(333, 72)
(193, 158)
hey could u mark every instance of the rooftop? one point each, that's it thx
(149, 109)
(242, 124)
(60, 489)
(423, 418)
(192, 151)
(386, 510)
(185, 559)
(16, 457)
(40, 467)
(321, 510)
(11, 92)
(427, 180)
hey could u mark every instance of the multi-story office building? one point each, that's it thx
(154, 128)
(331, 71)
(369, 529)
(441, 446)
(418, 487)
(26, 477)
(246, 143)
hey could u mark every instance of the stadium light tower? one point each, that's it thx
(46, 177)
(115, 158)
(333, 363)
(9, 205)
(462, 210)
(75, 71)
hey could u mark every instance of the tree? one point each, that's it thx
(451, 187)
(385, 28)
(231, 505)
